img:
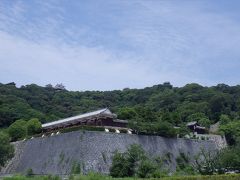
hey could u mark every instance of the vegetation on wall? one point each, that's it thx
(136, 163)
(6, 149)
(94, 176)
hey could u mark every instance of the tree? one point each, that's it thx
(220, 104)
(127, 113)
(120, 165)
(183, 130)
(201, 118)
(18, 130)
(6, 149)
(207, 162)
(230, 158)
(146, 169)
(126, 164)
(33, 126)
(165, 129)
(135, 162)
(204, 122)
(231, 131)
(196, 117)
(224, 119)
(148, 105)
(134, 155)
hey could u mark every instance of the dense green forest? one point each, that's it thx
(152, 110)
(159, 102)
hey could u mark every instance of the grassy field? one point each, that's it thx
(100, 177)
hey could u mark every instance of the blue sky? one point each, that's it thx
(106, 44)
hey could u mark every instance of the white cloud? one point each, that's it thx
(118, 44)
(78, 68)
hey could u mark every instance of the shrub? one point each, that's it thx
(182, 160)
(76, 168)
(6, 149)
(33, 126)
(165, 129)
(29, 172)
(146, 169)
(126, 164)
(120, 165)
(17, 130)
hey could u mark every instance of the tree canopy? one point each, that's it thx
(161, 106)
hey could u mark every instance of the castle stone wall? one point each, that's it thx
(93, 150)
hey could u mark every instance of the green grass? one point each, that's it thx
(101, 177)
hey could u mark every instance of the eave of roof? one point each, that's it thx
(120, 121)
(192, 123)
(200, 127)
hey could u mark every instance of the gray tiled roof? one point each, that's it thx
(191, 123)
(81, 116)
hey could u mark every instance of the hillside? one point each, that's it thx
(159, 102)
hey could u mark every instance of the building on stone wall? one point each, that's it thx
(196, 128)
(102, 118)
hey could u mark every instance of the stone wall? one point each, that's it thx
(93, 150)
(220, 141)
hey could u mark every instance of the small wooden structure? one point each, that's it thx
(196, 128)
(102, 117)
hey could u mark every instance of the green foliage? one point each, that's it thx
(6, 149)
(184, 167)
(127, 113)
(76, 168)
(126, 164)
(120, 165)
(209, 163)
(205, 122)
(29, 172)
(18, 177)
(230, 158)
(231, 131)
(182, 131)
(224, 119)
(152, 110)
(33, 126)
(160, 102)
(95, 176)
(134, 162)
(146, 169)
(182, 160)
(164, 128)
(18, 130)
(21, 129)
